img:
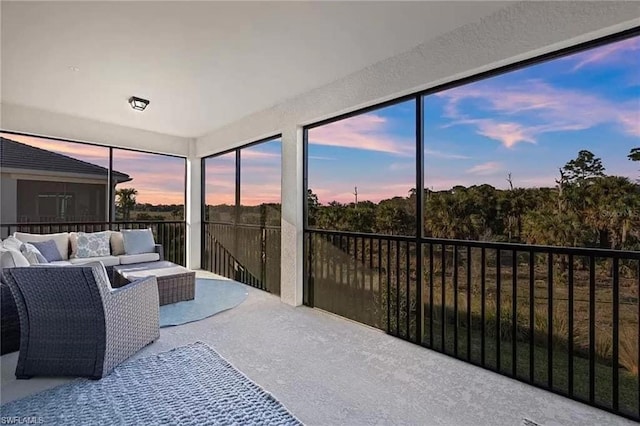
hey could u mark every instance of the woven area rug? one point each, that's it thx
(212, 297)
(189, 385)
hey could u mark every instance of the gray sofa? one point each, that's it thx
(65, 244)
(72, 323)
(10, 333)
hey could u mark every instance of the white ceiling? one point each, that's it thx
(202, 64)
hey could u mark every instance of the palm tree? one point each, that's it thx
(126, 201)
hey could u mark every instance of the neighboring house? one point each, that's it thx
(43, 186)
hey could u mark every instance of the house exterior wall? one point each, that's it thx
(8, 196)
(21, 188)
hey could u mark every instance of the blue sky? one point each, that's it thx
(528, 123)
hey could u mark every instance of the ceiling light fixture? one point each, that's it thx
(138, 104)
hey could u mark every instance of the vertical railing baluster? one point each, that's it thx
(443, 304)
(218, 260)
(349, 268)
(498, 308)
(363, 264)
(550, 321)
(431, 295)
(356, 290)
(483, 257)
(379, 268)
(616, 331)
(313, 260)
(469, 303)
(397, 304)
(361, 280)
(514, 313)
(342, 256)
(389, 286)
(592, 328)
(348, 264)
(570, 331)
(371, 265)
(310, 277)
(408, 289)
(336, 260)
(532, 307)
(455, 300)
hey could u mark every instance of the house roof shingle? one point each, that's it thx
(21, 156)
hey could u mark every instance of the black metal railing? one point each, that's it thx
(246, 253)
(171, 234)
(563, 319)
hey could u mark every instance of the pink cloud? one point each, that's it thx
(98, 155)
(508, 133)
(607, 53)
(367, 132)
(254, 154)
(489, 168)
(549, 109)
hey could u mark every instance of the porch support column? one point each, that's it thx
(193, 209)
(292, 217)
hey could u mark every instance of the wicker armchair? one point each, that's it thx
(72, 323)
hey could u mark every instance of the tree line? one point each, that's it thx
(126, 204)
(586, 208)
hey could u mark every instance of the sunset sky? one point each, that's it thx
(159, 179)
(260, 176)
(529, 122)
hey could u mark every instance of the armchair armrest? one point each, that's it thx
(132, 316)
(160, 251)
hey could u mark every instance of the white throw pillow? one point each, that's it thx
(11, 259)
(138, 241)
(32, 254)
(12, 243)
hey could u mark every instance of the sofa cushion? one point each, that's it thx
(94, 244)
(60, 263)
(48, 249)
(138, 241)
(127, 259)
(73, 245)
(117, 243)
(61, 240)
(32, 254)
(12, 243)
(105, 260)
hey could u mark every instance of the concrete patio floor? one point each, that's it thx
(331, 371)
